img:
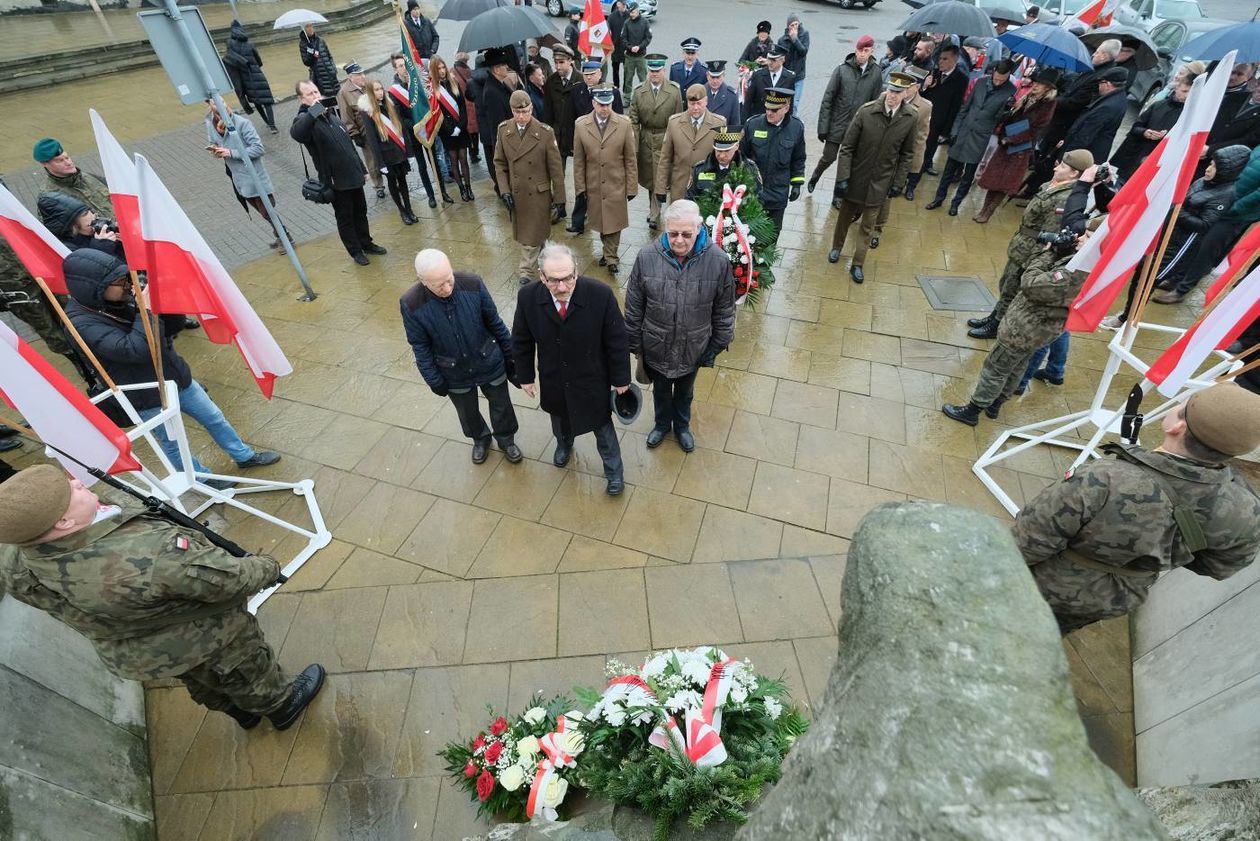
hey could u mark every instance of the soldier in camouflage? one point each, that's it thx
(156, 600)
(1036, 318)
(1049, 211)
(20, 295)
(1096, 541)
(61, 175)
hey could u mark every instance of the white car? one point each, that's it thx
(560, 8)
(1147, 14)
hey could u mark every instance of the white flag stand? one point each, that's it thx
(176, 482)
(1059, 432)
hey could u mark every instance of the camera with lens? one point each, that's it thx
(1103, 173)
(1060, 241)
(100, 226)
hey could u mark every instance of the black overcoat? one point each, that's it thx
(580, 359)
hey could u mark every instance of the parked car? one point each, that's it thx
(1169, 37)
(1053, 11)
(560, 8)
(1147, 14)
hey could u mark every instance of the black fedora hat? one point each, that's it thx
(626, 406)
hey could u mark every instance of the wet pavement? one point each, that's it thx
(450, 586)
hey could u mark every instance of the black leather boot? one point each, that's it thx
(985, 331)
(983, 320)
(305, 687)
(994, 408)
(912, 181)
(247, 720)
(968, 414)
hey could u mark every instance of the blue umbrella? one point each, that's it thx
(1049, 46)
(1244, 37)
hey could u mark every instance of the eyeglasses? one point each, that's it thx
(680, 234)
(559, 281)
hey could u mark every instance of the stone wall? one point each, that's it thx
(73, 753)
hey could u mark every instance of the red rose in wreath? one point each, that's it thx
(493, 752)
(485, 785)
(499, 726)
(470, 770)
(479, 742)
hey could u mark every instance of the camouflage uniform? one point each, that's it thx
(87, 188)
(1046, 212)
(34, 310)
(1096, 541)
(1035, 318)
(157, 601)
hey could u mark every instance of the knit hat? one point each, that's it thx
(519, 99)
(31, 503)
(1079, 159)
(1225, 417)
(47, 149)
(865, 41)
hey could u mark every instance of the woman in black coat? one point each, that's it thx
(456, 138)
(383, 131)
(316, 55)
(244, 67)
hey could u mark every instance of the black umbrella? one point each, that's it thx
(1144, 56)
(952, 17)
(503, 26)
(1007, 13)
(469, 9)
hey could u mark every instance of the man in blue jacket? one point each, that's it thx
(461, 344)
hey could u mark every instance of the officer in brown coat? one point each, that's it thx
(688, 141)
(604, 171)
(651, 106)
(531, 179)
(924, 109)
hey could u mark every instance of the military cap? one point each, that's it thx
(864, 42)
(656, 61)
(31, 503)
(47, 149)
(592, 66)
(900, 81)
(725, 137)
(775, 51)
(562, 50)
(1225, 417)
(519, 99)
(778, 97)
(691, 44)
(695, 93)
(1115, 75)
(352, 67)
(917, 73)
(604, 94)
(765, 26)
(1079, 159)
(715, 68)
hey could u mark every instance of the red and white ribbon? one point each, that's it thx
(701, 742)
(731, 200)
(555, 757)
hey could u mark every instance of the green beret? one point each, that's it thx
(46, 150)
(31, 502)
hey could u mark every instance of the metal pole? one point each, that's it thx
(234, 138)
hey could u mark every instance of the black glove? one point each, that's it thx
(660, 198)
(359, 140)
(794, 193)
(509, 201)
(509, 368)
(842, 187)
(439, 390)
(822, 138)
(708, 359)
(629, 198)
(316, 109)
(894, 191)
(949, 141)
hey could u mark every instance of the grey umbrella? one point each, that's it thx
(1144, 57)
(503, 26)
(1008, 13)
(468, 9)
(952, 17)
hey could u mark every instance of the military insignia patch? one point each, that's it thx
(181, 543)
(1057, 277)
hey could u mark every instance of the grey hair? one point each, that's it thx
(428, 260)
(552, 249)
(1111, 47)
(683, 209)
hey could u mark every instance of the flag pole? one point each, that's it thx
(65, 320)
(1229, 375)
(1242, 270)
(155, 351)
(1147, 282)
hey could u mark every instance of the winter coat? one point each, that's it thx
(244, 67)
(975, 122)
(348, 103)
(676, 314)
(636, 32)
(877, 152)
(1241, 129)
(404, 115)
(604, 167)
(946, 97)
(779, 153)
(796, 48)
(1075, 94)
(1207, 201)
(680, 75)
(758, 84)
(580, 359)
(923, 122)
(451, 139)
(330, 147)
(423, 34)
(1006, 170)
(707, 175)
(1040, 309)
(1232, 101)
(241, 181)
(115, 331)
(559, 112)
(315, 55)
(459, 341)
(384, 150)
(1133, 150)
(1246, 208)
(58, 212)
(649, 114)
(537, 99)
(684, 147)
(1049, 211)
(725, 103)
(756, 49)
(616, 20)
(496, 105)
(528, 166)
(86, 187)
(848, 89)
(1095, 129)
(464, 74)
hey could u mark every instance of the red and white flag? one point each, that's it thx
(1247, 249)
(1096, 15)
(1217, 331)
(120, 175)
(185, 277)
(34, 245)
(1140, 207)
(59, 413)
(594, 39)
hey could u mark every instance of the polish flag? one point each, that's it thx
(594, 39)
(1139, 209)
(1247, 249)
(1216, 331)
(1095, 16)
(59, 413)
(34, 245)
(120, 175)
(185, 277)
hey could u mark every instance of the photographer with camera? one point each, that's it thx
(78, 226)
(1035, 318)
